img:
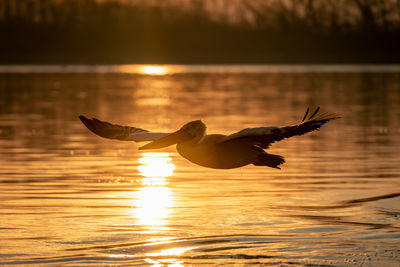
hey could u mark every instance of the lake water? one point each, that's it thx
(68, 197)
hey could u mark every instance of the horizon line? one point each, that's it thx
(169, 69)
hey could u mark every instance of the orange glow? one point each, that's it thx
(156, 165)
(171, 252)
(165, 253)
(120, 256)
(154, 70)
(153, 205)
(154, 200)
(165, 262)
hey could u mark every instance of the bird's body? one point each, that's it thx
(216, 150)
(209, 152)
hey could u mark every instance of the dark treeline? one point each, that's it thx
(199, 31)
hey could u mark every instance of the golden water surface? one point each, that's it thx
(68, 197)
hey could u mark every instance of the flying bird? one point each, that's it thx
(215, 150)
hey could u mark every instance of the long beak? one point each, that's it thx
(171, 139)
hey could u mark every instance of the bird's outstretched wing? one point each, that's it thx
(263, 137)
(118, 132)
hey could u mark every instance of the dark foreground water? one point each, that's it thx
(68, 197)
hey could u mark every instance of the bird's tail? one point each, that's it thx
(270, 160)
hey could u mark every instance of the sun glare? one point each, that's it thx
(153, 205)
(153, 201)
(156, 165)
(167, 253)
(154, 70)
(171, 252)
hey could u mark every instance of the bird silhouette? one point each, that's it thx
(216, 150)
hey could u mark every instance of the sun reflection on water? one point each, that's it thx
(154, 200)
(139, 69)
(166, 253)
(154, 70)
(171, 251)
(153, 205)
(156, 165)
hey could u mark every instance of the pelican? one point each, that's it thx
(215, 150)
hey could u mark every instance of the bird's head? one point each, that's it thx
(192, 131)
(194, 128)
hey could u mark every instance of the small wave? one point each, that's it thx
(371, 199)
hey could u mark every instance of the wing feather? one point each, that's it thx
(118, 132)
(263, 137)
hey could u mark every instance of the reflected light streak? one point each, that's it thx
(153, 205)
(171, 252)
(156, 165)
(166, 253)
(154, 70)
(154, 200)
(120, 256)
(161, 263)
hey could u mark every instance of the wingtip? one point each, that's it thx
(82, 118)
(305, 115)
(315, 112)
(331, 116)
